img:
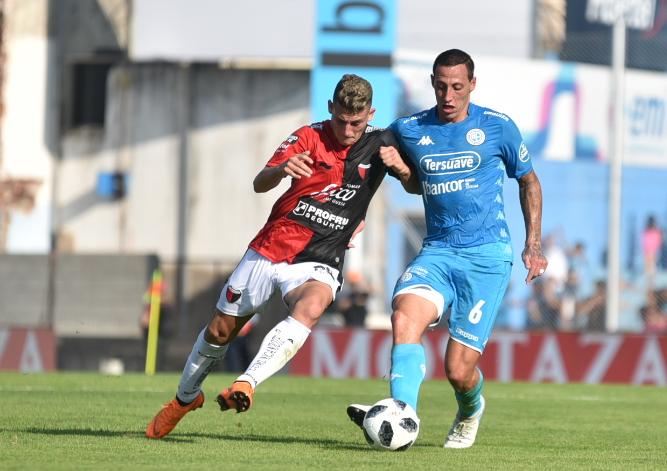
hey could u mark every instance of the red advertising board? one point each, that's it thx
(509, 356)
(27, 350)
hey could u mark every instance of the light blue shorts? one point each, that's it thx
(471, 281)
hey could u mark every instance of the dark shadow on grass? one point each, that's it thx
(319, 442)
(191, 437)
(82, 431)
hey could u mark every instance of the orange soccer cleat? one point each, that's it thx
(171, 413)
(238, 396)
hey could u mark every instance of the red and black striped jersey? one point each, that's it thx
(315, 218)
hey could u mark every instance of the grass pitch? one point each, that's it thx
(91, 421)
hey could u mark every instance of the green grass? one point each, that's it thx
(90, 421)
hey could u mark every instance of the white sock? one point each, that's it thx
(202, 360)
(278, 347)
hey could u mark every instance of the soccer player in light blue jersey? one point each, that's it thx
(461, 153)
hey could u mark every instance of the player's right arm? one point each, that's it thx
(297, 166)
(291, 159)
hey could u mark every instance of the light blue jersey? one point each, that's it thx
(461, 168)
(466, 260)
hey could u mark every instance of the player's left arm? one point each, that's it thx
(518, 165)
(530, 197)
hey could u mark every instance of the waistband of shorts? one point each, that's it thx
(497, 250)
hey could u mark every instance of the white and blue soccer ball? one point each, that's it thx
(391, 424)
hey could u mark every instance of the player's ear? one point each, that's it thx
(473, 83)
(330, 107)
(433, 80)
(371, 114)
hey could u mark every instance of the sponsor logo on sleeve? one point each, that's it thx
(288, 142)
(415, 116)
(497, 115)
(523, 152)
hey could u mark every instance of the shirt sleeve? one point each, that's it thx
(514, 152)
(388, 138)
(296, 143)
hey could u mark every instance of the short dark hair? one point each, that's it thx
(453, 57)
(353, 93)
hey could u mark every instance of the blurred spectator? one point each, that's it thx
(544, 305)
(659, 297)
(651, 245)
(655, 320)
(568, 303)
(558, 262)
(512, 313)
(591, 311)
(352, 301)
(577, 261)
(576, 285)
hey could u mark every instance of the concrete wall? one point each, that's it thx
(228, 141)
(93, 295)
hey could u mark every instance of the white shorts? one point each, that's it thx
(256, 278)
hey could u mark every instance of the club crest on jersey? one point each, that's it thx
(363, 170)
(232, 294)
(475, 137)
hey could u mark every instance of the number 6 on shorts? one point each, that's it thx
(475, 314)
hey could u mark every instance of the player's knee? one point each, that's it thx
(406, 328)
(460, 376)
(401, 321)
(308, 311)
(220, 330)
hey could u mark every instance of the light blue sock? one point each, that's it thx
(469, 401)
(408, 367)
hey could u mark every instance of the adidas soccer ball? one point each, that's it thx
(391, 424)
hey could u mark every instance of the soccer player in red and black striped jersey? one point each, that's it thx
(335, 168)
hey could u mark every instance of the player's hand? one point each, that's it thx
(534, 260)
(392, 159)
(298, 165)
(359, 228)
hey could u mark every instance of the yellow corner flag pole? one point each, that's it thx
(154, 321)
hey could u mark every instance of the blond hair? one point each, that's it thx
(353, 93)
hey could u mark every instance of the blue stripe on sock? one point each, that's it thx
(408, 366)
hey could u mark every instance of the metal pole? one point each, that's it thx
(182, 181)
(615, 171)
